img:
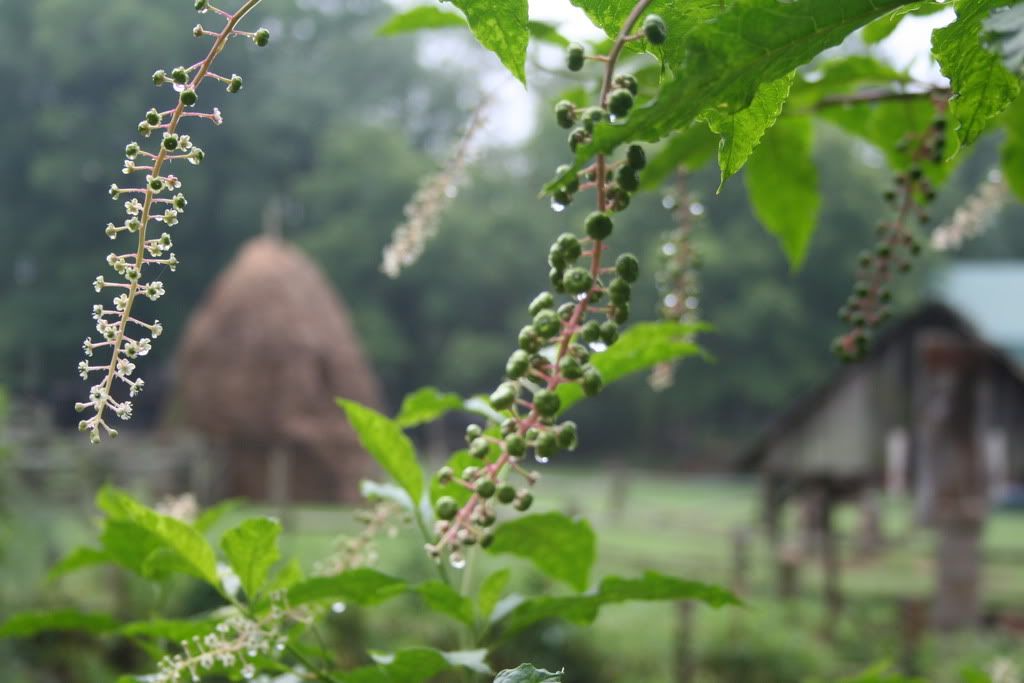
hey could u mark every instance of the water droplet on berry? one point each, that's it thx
(541, 459)
(612, 118)
(670, 301)
(696, 208)
(180, 87)
(457, 560)
(668, 202)
(668, 249)
(557, 206)
(339, 607)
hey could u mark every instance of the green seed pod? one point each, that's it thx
(523, 501)
(576, 138)
(517, 365)
(575, 55)
(591, 331)
(636, 158)
(546, 323)
(570, 368)
(132, 150)
(555, 277)
(445, 475)
(598, 225)
(170, 143)
(506, 494)
(569, 245)
(529, 340)
(620, 313)
(473, 431)
(561, 197)
(592, 381)
(486, 488)
(627, 267)
(654, 29)
(540, 302)
(262, 37)
(546, 445)
(565, 113)
(628, 179)
(609, 332)
(515, 445)
(504, 396)
(446, 508)
(567, 436)
(145, 129)
(188, 97)
(620, 101)
(628, 82)
(618, 198)
(153, 117)
(508, 426)
(159, 77)
(470, 473)
(235, 84)
(179, 75)
(531, 434)
(156, 184)
(572, 186)
(486, 539)
(556, 257)
(577, 280)
(619, 291)
(590, 117)
(479, 447)
(564, 311)
(546, 402)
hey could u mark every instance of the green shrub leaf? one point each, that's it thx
(1012, 156)
(414, 665)
(881, 28)
(689, 148)
(560, 547)
(251, 549)
(29, 624)
(782, 182)
(388, 444)
(502, 27)
(444, 599)
(1004, 30)
(491, 591)
(420, 18)
(426, 405)
(359, 586)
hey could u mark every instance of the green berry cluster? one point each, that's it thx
(896, 246)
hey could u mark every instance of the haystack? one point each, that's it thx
(260, 364)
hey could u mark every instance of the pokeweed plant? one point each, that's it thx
(728, 77)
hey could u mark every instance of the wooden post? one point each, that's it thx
(913, 621)
(829, 563)
(953, 401)
(684, 664)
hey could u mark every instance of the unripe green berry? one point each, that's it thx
(132, 150)
(473, 431)
(556, 257)
(540, 302)
(570, 368)
(590, 117)
(628, 179)
(609, 332)
(620, 313)
(564, 311)
(159, 77)
(486, 539)
(235, 84)
(529, 340)
(517, 365)
(577, 280)
(201, 5)
(179, 75)
(619, 291)
(636, 157)
(592, 381)
(566, 436)
(574, 57)
(446, 508)
(486, 488)
(515, 445)
(145, 129)
(546, 402)
(618, 198)
(546, 445)
(598, 225)
(470, 473)
(506, 494)
(479, 447)
(591, 331)
(620, 101)
(170, 143)
(531, 434)
(504, 396)
(153, 117)
(445, 475)
(546, 323)
(654, 29)
(565, 113)
(628, 82)
(262, 37)
(561, 197)
(523, 501)
(156, 184)
(569, 245)
(576, 138)
(627, 267)
(572, 185)
(555, 277)
(189, 97)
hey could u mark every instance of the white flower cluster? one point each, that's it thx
(360, 551)
(975, 215)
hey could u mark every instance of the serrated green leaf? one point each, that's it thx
(502, 27)
(287, 576)
(881, 28)
(426, 405)
(1012, 154)
(388, 444)
(414, 665)
(444, 599)
(79, 558)
(528, 673)
(782, 183)
(134, 533)
(583, 609)
(491, 591)
(546, 33)
(29, 624)
(742, 131)
(640, 347)
(251, 549)
(420, 18)
(174, 630)
(689, 148)
(359, 586)
(720, 64)
(679, 17)
(982, 86)
(211, 515)
(562, 548)
(1004, 30)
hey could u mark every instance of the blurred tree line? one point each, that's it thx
(329, 139)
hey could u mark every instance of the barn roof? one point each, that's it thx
(987, 294)
(928, 316)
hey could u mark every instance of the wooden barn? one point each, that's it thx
(935, 411)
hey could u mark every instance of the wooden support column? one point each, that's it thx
(830, 562)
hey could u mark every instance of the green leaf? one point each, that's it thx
(390, 447)
(783, 186)
(80, 558)
(640, 347)
(502, 27)
(372, 490)
(842, 76)
(444, 599)
(491, 591)
(134, 533)
(174, 630)
(1005, 36)
(414, 665)
(359, 586)
(742, 131)
(720, 64)
(1012, 155)
(982, 86)
(689, 148)
(29, 624)
(546, 33)
(251, 549)
(211, 515)
(527, 673)
(881, 28)
(583, 609)
(419, 18)
(426, 405)
(679, 17)
(560, 547)
(287, 576)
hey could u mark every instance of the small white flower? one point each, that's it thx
(125, 367)
(154, 290)
(99, 283)
(156, 329)
(170, 217)
(136, 388)
(133, 207)
(121, 301)
(87, 347)
(83, 370)
(216, 117)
